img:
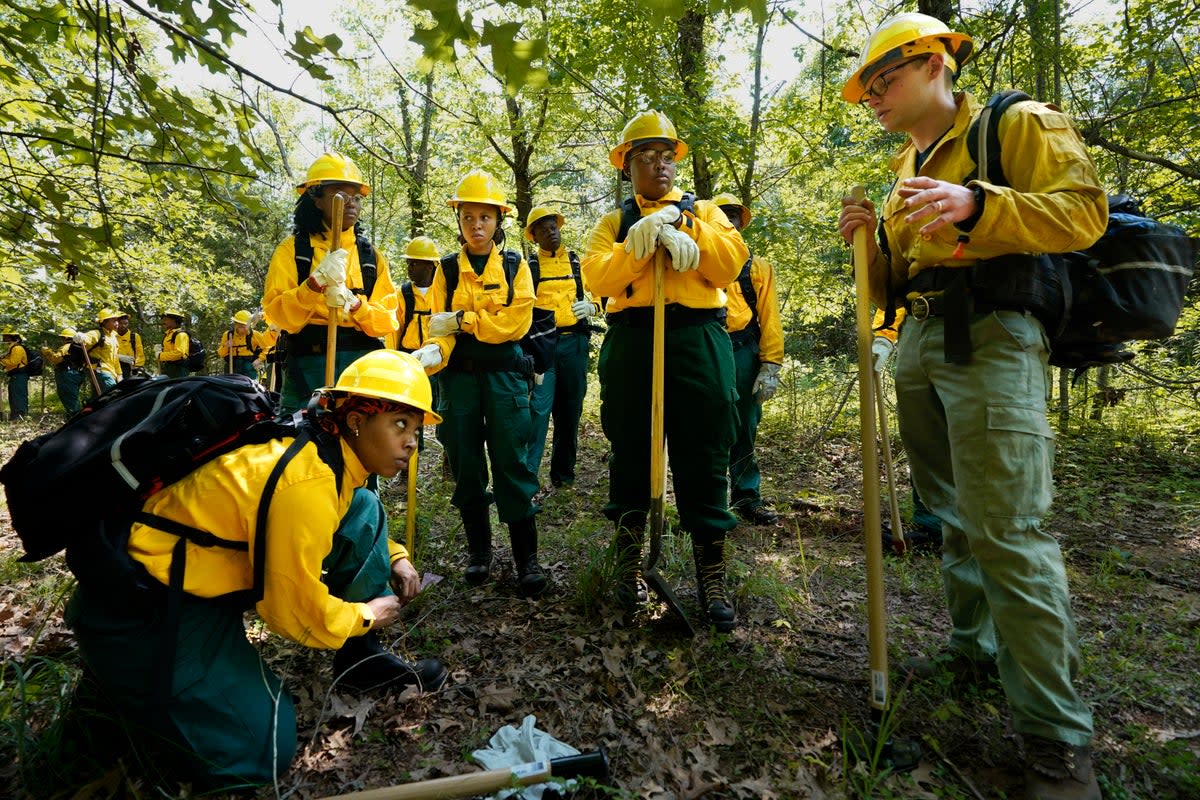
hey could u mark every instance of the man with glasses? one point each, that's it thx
(971, 371)
(705, 253)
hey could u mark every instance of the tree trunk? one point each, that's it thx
(692, 77)
(1064, 399)
(747, 181)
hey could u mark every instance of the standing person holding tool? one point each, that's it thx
(706, 253)
(130, 352)
(330, 579)
(755, 329)
(971, 370)
(314, 280)
(68, 371)
(102, 351)
(561, 393)
(488, 299)
(176, 344)
(242, 347)
(15, 362)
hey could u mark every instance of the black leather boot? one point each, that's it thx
(709, 552)
(363, 664)
(530, 576)
(631, 587)
(477, 525)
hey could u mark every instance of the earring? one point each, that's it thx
(355, 431)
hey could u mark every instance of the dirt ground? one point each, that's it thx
(770, 711)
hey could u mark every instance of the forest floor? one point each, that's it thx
(770, 711)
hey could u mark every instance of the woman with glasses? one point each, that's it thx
(705, 254)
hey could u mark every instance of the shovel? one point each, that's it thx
(91, 371)
(410, 511)
(898, 755)
(336, 213)
(586, 765)
(658, 460)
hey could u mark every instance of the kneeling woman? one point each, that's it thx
(330, 578)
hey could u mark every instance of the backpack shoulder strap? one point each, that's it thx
(449, 267)
(630, 213)
(367, 264)
(410, 303)
(576, 274)
(747, 287)
(511, 263)
(304, 255)
(983, 137)
(535, 270)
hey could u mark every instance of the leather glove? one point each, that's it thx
(80, 338)
(444, 323)
(126, 360)
(158, 349)
(685, 253)
(258, 364)
(766, 383)
(330, 270)
(256, 318)
(582, 309)
(338, 296)
(881, 348)
(429, 355)
(642, 238)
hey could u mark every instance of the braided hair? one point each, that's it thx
(334, 422)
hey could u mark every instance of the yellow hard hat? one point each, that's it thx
(108, 313)
(389, 375)
(648, 125)
(241, 318)
(541, 212)
(727, 199)
(173, 312)
(67, 333)
(480, 187)
(10, 332)
(904, 36)
(422, 248)
(333, 167)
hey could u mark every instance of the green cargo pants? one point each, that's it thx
(229, 720)
(18, 395)
(303, 375)
(67, 382)
(560, 396)
(487, 408)
(698, 416)
(745, 479)
(981, 453)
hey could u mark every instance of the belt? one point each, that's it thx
(746, 336)
(310, 340)
(934, 305)
(676, 316)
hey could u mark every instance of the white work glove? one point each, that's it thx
(881, 349)
(444, 323)
(338, 296)
(642, 238)
(80, 338)
(685, 253)
(429, 355)
(126, 360)
(539, 378)
(331, 270)
(258, 364)
(766, 383)
(256, 318)
(158, 349)
(582, 309)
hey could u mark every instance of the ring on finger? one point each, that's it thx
(937, 204)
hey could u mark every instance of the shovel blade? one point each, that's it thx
(660, 587)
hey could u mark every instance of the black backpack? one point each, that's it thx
(196, 354)
(36, 364)
(541, 341)
(80, 487)
(1129, 285)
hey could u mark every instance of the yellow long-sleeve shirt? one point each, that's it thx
(413, 333)
(15, 358)
(556, 287)
(291, 305)
(258, 345)
(175, 345)
(131, 345)
(609, 271)
(222, 497)
(770, 336)
(103, 351)
(482, 300)
(1054, 203)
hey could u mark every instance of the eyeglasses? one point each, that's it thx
(648, 158)
(882, 83)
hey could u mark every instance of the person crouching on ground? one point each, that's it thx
(331, 578)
